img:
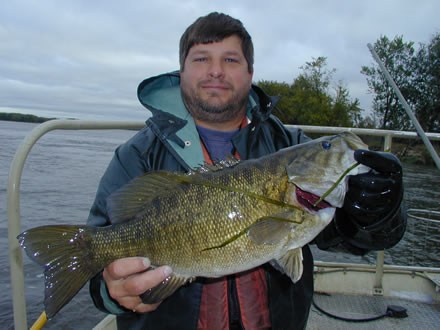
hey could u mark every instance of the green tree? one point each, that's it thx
(311, 105)
(426, 94)
(309, 101)
(282, 89)
(347, 112)
(416, 73)
(398, 58)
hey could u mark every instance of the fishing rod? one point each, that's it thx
(407, 108)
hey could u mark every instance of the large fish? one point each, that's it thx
(210, 222)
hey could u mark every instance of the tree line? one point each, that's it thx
(313, 98)
(12, 116)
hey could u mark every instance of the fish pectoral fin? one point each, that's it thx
(165, 289)
(292, 264)
(271, 230)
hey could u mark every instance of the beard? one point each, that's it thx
(212, 112)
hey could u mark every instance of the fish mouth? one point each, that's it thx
(307, 200)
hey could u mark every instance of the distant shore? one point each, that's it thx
(12, 116)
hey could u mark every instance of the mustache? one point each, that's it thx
(217, 82)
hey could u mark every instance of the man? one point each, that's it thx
(208, 111)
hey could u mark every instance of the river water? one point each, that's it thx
(59, 183)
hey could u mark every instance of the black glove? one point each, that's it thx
(372, 216)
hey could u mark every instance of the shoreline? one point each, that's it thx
(23, 118)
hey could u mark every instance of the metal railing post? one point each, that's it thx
(380, 259)
(388, 142)
(378, 288)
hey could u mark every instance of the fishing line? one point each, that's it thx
(328, 192)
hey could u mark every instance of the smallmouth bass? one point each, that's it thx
(210, 222)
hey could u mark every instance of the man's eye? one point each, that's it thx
(200, 59)
(231, 60)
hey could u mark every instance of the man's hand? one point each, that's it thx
(373, 217)
(128, 278)
(372, 196)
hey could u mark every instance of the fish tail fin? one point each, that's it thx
(66, 254)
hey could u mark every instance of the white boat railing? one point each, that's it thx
(17, 165)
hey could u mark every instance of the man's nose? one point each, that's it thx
(216, 69)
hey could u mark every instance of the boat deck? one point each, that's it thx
(421, 315)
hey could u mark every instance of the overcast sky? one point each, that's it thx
(84, 59)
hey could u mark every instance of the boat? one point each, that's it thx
(395, 296)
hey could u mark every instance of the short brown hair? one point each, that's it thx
(215, 27)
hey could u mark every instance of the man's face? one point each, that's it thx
(215, 81)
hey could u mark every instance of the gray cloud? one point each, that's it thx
(84, 59)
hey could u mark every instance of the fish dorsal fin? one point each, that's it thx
(272, 229)
(129, 200)
(291, 264)
(164, 289)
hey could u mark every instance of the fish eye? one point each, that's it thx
(326, 145)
